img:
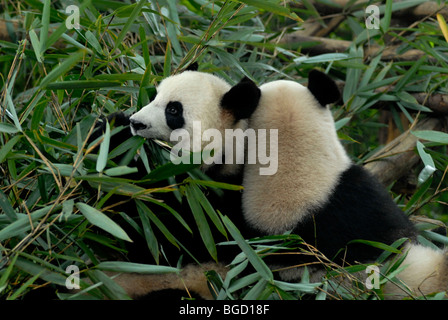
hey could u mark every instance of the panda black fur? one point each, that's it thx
(317, 191)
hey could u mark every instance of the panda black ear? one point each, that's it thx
(323, 88)
(242, 99)
(192, 67)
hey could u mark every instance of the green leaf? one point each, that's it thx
(405, 79)
(8, 128)
(99, 219)
(143, 209)
(36, 269)
(82, 84)
(121, 266)
(150, 237)
(22, 225)
(256, 291)
(61, 69)
(35, 44)
(93, 41)
(120, 171)
(302, 287)
(201, 221)
(325, 57)
(385, 21)
(12, 110)
(271, 6)
(418, 195)
(429, 168)
(45, 26)
(7, 273)
(129, 22)
(197, 193)
(253, 257)
(167, 63)
(426, 158)
(5, 205)
(431, 135)
(109, 287)
(8, 147)
(169, 170)
(23, 287)
(376, 244)
(104, 150)
(219, 185)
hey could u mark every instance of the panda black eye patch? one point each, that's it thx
(174, 115)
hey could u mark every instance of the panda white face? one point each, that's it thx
(182, 99)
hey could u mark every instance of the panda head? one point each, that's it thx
(195, 96)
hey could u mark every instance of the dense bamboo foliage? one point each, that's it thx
(57, 188)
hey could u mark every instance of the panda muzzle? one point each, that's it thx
(137, 125)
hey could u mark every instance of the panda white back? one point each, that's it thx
(319, 194)
(310, 158)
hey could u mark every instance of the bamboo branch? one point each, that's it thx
(398, 157)
(8, 27)
(323, 45)
(427, 9)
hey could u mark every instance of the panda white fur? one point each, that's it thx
(317, 191)
(322, 196)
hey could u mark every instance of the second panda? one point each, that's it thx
(317, 192)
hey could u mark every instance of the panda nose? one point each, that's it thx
(137, 125)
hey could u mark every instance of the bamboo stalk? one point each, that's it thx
(324, 45)
(398, 157)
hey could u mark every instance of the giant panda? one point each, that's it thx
(321, 195)
(317, 192)
(168, 111)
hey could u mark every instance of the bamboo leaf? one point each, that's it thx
(201, 222)
(99, 219)
(82, 84)
(104, 150)
(8, 128)
(45, 26)
(121, 266)
(132, 18)
(22, 225)
(110, 288)
(36, 45)
(61, 69)
(150, 237)
(5, 205)
(93, 41)
(167, 63)
(253, 257)
(271, 6)
(8, 147)
(142, 208)
(42, 272)
(5, 276)
(443, 26)
(197, 193)
(385, 21)
(408, 75)
(120, 171)
(376, 244)
(430, 135)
